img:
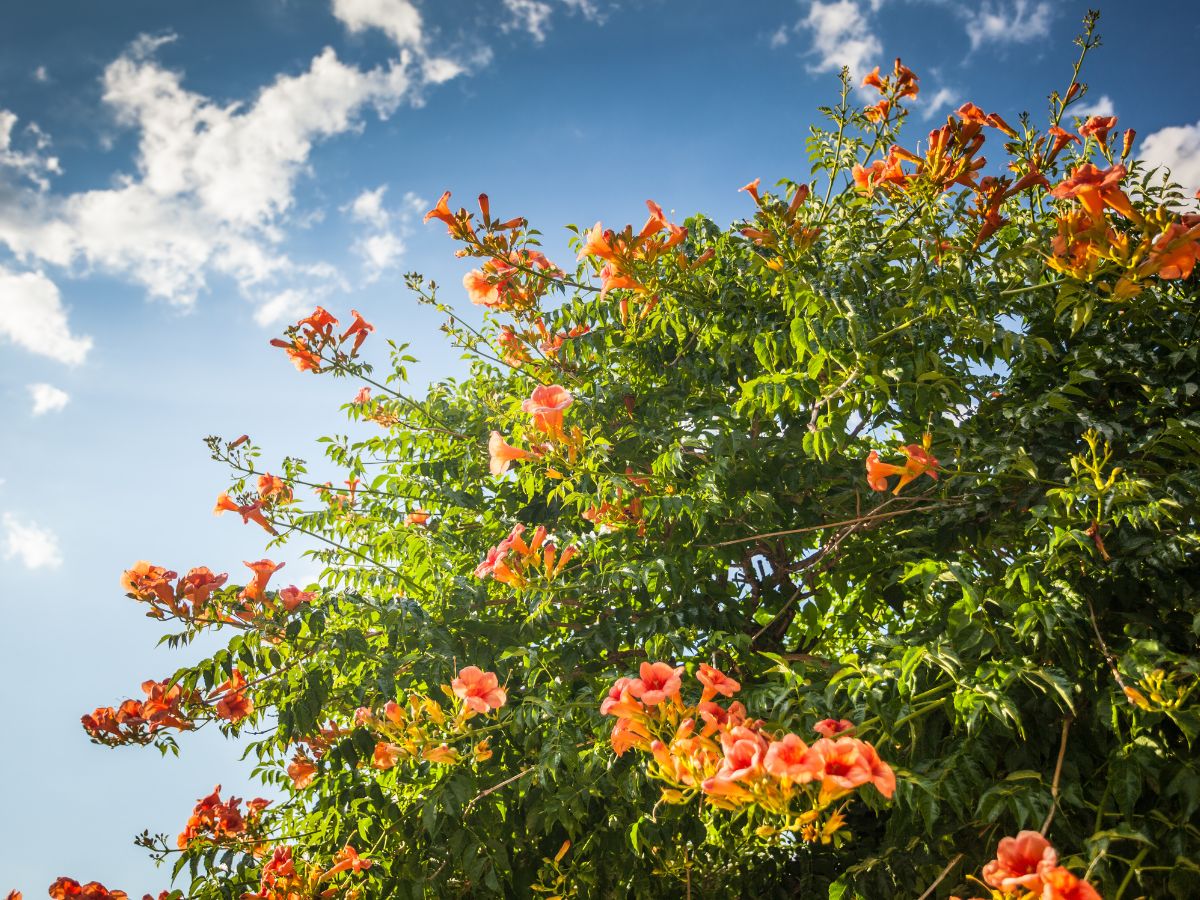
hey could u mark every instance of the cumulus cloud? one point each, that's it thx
(1176, 148)
(1101, 106)
(841, 36)
(401, 22)
(47, 398)
(32, 316)
(213, 188)
(1015, 22)
(33, 546)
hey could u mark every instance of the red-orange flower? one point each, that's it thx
(833, 727)
(417, 517)
(144, 581)
(263, 569)
(1019, 862)
(360, 328)
(385, 756)
(1098, 127)
(480, 691)
(546, 405)
(919, 462)
(1095, 189)
(1060, 884)
(273, 489)
(348, 861)
(291, 597)
(844, 767)
(234, 705)
(251, 512)
(70, 889)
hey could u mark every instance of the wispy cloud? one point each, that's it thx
(30, 544)
(47, 398)
(1007, 21)
(381, 246)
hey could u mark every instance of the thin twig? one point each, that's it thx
(946, 871)
(1062, 752)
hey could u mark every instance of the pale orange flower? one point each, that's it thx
(480, 691)
(1019, 862)
(1098, 127)
(716, 682)
(443, 754)
(791, 758)
(656, 683)
(546, 405)
(302, 771)
(385, 756)
(833, 727)
(502, 454)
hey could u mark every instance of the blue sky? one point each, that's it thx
(178, 181)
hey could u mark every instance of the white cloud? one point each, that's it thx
(1101, 106)
(941, 99)
(33, 164)
(1176, 148)
(1014, 22)
(285, 306)
(398, 19)
(36, 547)
(47, 398)
(40, 75)
(368, 207)
(382, 246)
(529, 15)
(32, 316)
(778, 38)
(841, 36)
(214, 183)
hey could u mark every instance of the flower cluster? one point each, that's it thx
(718, 753)
(777, 224)
(918, 461)
(516, 345)
(137, 721)
(282, 880)
(303, 768)
(516, 563)
(309, 338)
(69, 889)
(546, 406)
(421, 729)
(215, 822)
(232, 703)
(622, 254)
(1026, 868)
(895, 87)
(186, 599)
(514, 277)
(1087, 241)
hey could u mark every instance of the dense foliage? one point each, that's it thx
(654, 472)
